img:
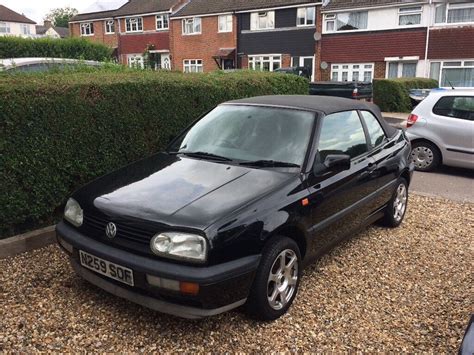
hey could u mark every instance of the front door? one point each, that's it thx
(165, 61)
(227, 64)
(339, 199)
(305, 62)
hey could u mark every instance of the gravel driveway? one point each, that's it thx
(409, 289)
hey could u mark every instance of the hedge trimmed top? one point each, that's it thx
(74, 48)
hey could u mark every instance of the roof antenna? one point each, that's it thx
(452, 86)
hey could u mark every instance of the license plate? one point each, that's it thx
(106, 268)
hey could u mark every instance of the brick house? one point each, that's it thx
(365, 39)
(136, 27)
(259, 34)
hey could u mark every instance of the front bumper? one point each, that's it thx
(221, 287)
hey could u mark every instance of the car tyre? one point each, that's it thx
(276, 281)
(397, 207)
(425, 156)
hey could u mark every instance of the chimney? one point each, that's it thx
(47, 24)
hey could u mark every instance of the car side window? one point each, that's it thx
(342, 133)
(376, 132)
(461, 107)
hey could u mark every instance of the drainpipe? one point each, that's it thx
(430, 15)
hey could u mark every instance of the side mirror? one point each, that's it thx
(337, 162)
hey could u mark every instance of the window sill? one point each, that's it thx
(192, 34)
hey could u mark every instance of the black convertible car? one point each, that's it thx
(239, 203)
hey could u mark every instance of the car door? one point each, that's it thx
(384, 152)
(453, 122)
(337, 199)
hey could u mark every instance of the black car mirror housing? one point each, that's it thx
(337, 162)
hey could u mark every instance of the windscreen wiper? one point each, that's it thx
(203, 155)
(270, 164)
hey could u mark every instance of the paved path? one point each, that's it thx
(450, 183)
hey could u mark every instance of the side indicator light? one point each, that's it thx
(189, 288)
(305, 202)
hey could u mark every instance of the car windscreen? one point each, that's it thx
(251, 133)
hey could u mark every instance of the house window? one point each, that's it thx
(455, 13)
(262, 20)
(4, 27)
(25, 29)
(192, 26)
(409, 16)
(162, 22)
(306, 16)
(87, 29)
(401, 70)
(134, 24)
(352, 72)
(193, 66)
(459, 73)
(109, 26)
(347, 21)
(225, 23)
(136, 61)
(265, 62)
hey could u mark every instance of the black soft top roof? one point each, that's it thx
(323, 104)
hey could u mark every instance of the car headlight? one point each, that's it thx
(180, 246)
(73, 213)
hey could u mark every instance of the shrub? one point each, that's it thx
(61, 131)
(75, 48)
(392, 95)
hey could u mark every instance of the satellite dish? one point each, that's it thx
(324, 65)
(317, 36)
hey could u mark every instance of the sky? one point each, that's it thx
(37, 9)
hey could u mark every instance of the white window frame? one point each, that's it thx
(25, 29)
(255, 20)
(5, 26)
(305, 16)
(109, 26)
(87, 29)
(133, 24)
(163, 22)
(408, 11)
(195, 23)
(350, 69)
(193, 66)
(273, 59)
(444, 64)
(136, 61)
(400, 64)
(227, 21)
(332, 18)
(446, 15)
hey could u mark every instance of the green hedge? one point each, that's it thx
(392, 95)
(75, 48)
(59, 132)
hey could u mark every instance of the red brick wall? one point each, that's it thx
(110, 40)
(451, 43)
(372, 46)
(203, 46)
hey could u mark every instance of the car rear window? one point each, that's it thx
(461, 107)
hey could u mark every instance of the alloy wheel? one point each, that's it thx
(283, 279)
(400, 203)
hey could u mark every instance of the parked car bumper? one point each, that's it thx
(221, 287)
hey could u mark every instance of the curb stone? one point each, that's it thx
(27, 242)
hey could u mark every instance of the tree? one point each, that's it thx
(60, 17)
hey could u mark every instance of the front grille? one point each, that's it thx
(131, 235)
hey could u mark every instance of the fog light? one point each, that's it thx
(68, 247)
(186, 288)
(163, 283)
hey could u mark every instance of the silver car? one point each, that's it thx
(441, 129)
